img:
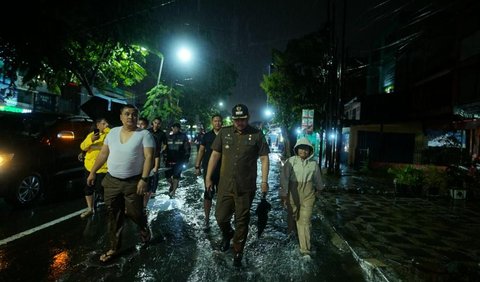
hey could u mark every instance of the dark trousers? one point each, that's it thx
(121, 194)
(229, 204)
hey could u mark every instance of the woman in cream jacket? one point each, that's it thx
(300, 179)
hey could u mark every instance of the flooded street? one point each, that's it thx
(181, 249)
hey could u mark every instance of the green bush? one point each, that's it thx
(407, 175)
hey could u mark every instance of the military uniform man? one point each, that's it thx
(239, 146)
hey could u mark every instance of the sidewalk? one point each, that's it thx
(403, 239)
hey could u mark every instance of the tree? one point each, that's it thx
(93, 44)
(299, 81)
(201, 94)
(162, 101)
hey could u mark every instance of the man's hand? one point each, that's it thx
(284, 201)
(264, 187)
(208, 183)
(142, 187)
(198, 171)
(95, 137)
(91, 179)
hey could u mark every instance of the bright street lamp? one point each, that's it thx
(184, 54)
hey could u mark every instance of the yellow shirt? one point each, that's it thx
(93, 149)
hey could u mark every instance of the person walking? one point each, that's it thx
(300, 178)
(238, 146)
(128, 151)
(160, 145)
(203, 156)
(177, 154)
(152, 184)
(91, 146)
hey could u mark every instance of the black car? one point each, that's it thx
(37, 149)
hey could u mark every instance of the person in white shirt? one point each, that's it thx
(128, 151)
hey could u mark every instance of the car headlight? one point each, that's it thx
(5, 159)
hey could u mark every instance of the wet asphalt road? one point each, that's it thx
(181, 250)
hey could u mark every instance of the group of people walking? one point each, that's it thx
(129, 159)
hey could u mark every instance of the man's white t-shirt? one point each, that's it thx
(126, 160)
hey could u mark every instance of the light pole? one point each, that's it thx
(183, 54)
(161, 67)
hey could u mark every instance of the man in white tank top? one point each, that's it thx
(128, 151)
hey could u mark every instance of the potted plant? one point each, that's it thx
(435, 181)
(407, 180)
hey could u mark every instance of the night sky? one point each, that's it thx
(245, 32)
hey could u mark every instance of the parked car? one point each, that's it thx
(37, 149)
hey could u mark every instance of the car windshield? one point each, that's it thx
(25, 125)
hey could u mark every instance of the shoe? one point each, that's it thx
(226, 242)
(206, 227)
(306, 257)
(237, 260)
(86, 213)
(146, 235)
(108, 256)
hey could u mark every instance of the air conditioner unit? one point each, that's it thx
(458, 194)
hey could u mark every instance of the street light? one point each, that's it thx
(184, 55)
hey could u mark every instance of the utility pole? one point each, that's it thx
(340, 92)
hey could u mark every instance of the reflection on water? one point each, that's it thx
(3, 260)
(59, 264)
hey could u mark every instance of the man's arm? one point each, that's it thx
(198, 160)
(148, 153)
(99, 161)
(265, 170)
(212, 164)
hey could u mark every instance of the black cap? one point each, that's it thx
(176, 125)
(239, 111)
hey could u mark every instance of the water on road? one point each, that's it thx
(181, 249)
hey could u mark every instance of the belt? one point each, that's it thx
(135, 177)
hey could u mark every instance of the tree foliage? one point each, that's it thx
(299, 80)
(92, 43)
(162, 101)
(202, 93)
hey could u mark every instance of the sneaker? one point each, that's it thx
(86, 213)
(306, 257)
(237, 260)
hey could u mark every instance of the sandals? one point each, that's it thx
(108, 256)
(146, 235)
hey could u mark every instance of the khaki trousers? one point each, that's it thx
(301, 201)
(120, 195)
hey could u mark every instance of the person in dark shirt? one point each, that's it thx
(203, 156)
(177, 154)
(161, 144)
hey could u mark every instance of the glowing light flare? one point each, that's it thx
(5, 158)
(66, 135)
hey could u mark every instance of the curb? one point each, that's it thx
(373, 268)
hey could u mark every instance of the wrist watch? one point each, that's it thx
(144, 179)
